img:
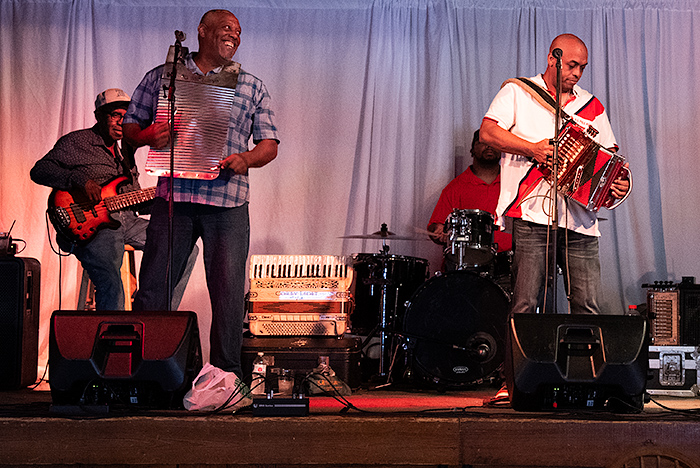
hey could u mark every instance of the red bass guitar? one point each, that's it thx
(78, 219)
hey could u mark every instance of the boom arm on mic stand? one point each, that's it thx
(179, 37)
(556, 53)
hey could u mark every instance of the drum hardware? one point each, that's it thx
(383, 332)
(387, 315)
(382, 284)
(480, 346)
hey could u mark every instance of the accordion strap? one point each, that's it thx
(541, 95)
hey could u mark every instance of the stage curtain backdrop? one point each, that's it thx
(376, 101)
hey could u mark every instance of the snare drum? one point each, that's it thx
(400, 274)
(455, 329)
(470, 239)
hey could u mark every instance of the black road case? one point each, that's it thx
(301, 355)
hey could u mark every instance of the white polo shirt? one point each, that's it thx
(515, 110)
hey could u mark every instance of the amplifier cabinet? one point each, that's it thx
(20, 283)
(665, 319)
(674, 312)
(301, 354)
(689, 299)
(673, 371)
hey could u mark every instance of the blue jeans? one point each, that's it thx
(102, 259)
(225, 234)
(577, 256)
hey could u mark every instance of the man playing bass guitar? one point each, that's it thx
(95, 193)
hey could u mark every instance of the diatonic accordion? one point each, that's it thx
(586, 170)
(299, 295)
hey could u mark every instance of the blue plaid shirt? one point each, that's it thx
(250, 116)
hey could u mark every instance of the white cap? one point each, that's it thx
(111, 95)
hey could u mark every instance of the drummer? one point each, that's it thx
(477, 188)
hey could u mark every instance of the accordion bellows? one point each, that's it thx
(586, 169)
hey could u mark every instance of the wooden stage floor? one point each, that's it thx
(389, 427)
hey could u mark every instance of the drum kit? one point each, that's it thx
(448, 330)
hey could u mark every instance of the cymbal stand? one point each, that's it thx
(461, 264)
(384, 333)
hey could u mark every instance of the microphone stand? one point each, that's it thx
(555, 169)
(179, 37)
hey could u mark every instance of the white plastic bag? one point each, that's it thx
(213, 388)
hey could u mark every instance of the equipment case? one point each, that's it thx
(673, 370)
(301, 353)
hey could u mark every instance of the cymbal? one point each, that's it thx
(390, 236)
(383, 234)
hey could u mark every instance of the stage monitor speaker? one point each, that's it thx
(123, 359)
(576, 362)
(20, 284)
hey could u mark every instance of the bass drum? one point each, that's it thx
(455, 329)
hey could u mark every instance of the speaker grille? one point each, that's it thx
(663, 308)
(19, 321)
(11, 289)
(690, 315)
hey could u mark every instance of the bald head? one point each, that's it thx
(219, 34)
(213, 15)
(574, 60)
(568, 41)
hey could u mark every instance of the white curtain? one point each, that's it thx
(377, 101)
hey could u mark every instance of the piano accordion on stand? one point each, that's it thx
(586, 169)
(299, 295)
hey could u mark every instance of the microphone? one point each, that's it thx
(556, 53)
(180, 36)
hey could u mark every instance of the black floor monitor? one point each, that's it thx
(576, 362)
(144, 359)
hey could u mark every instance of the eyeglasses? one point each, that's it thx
(117, 116)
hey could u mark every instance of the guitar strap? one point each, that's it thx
(125, 159)
(128, 152)
(128, 162)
